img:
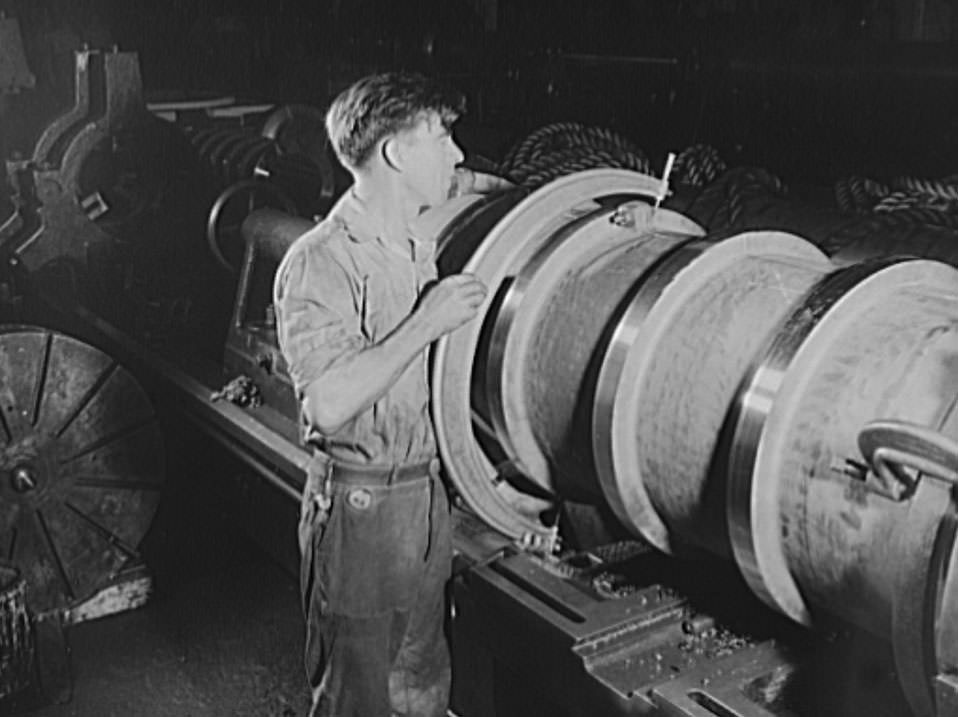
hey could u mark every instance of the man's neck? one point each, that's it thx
(389, 212)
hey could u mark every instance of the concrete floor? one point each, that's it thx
(225, 643)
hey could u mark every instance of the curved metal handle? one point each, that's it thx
(891, 445)
(251, 187)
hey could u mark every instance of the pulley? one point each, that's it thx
(81, 465)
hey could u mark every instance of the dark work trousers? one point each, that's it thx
(375, 562)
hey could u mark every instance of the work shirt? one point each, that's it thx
(341, 289)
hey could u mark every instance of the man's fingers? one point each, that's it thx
(475, 295)
(467, 286)
(473, 286)
(459, 279)
(462, 279)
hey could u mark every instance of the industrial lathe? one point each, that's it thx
(703, 446)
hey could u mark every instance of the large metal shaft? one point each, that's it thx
(710, 389)
(878, 339)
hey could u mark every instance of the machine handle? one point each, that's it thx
(891, 446)
(248, 190)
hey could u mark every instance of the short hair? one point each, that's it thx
(385, 104)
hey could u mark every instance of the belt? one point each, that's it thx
(347, 473)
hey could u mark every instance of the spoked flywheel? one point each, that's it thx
(81, 465)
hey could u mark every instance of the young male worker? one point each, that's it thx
(357, 304)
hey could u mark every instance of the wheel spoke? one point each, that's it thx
(12, 545)
(106, 440)
(108, 535)
(6, 427)
(55, 554)
(85, 399)
(41, 381)
(113, 483)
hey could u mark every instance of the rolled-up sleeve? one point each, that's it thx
(317, 321)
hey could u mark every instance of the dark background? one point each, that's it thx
(811, 89)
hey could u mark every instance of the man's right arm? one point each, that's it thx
(356, 381)
(337, 372)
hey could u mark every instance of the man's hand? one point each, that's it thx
(467, 181)
(450, 303)
(352, 385)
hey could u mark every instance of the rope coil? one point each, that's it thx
(561, 148)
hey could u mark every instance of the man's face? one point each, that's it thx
(431, 156)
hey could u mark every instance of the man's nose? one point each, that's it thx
(457, 153)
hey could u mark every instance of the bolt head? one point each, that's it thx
(22, 479)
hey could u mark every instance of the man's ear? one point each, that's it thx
(392, 153)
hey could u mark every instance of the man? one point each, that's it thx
(357, 304)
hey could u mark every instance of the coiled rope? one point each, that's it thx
(561, 148)
(697, 165)
(931, 202)
(725, 202)
(728, 197)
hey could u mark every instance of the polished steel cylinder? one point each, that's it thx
(671, 373)
(811, 525)
(550, 331)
